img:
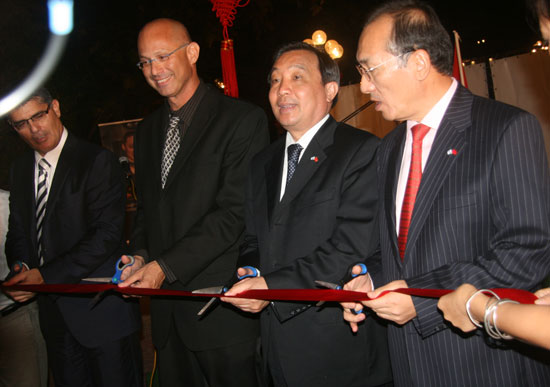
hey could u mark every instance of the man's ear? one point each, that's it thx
(420, 64)
(331, 90)
(55, 108)
(193, 51)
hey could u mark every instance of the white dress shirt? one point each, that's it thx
(52, 157)
(304, 142)
(433, 120)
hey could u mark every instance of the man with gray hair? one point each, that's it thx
(65, 224)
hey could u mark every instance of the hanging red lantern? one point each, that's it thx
(226, 11)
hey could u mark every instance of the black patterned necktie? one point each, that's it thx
(294, 151)
(171, 147)
(41, 198)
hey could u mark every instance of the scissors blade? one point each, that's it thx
(210, 290)
(329, 285)
(207, 306)
(325, 284)
(98, 279)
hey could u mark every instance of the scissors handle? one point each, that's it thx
(255, 273)
(120, 268)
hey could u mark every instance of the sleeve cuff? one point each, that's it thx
(170, 276)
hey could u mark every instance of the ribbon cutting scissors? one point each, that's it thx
(223, 288)
(119, 269)
(347, 277)
(115, 279)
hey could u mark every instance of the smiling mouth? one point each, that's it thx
(161, 81)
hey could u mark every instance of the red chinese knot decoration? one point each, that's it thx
(226, 11)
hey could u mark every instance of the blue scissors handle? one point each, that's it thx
(349, 276)
(255, 273)
(120, 268)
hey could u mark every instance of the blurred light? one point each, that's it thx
(534, 50)
(319, 37)
(490, 59)
(61, 16)
(336, 51)
(473, 62)
(330, 44)
(309, 41)
(482, 40)
(538, 43)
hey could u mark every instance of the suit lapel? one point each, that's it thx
(312, 159)
(450, 137)
(273, 169)
(392, 174)
(64, 165)
(28, 187)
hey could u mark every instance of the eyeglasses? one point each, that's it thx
(368, 72)
(24, 124)
(161, 58)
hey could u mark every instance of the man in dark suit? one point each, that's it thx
(189, 221)
(65, 224)
(468, 202)
(311, 220)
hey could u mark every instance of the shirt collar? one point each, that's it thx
(435, 115)
(53, 156)
(307, 136)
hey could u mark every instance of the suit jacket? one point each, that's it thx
(195, 224)
(326, 221)
(481, 216)
(82, 236)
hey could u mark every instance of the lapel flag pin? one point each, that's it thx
(314, 158)
(451, 152)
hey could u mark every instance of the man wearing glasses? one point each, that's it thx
(192, 157)
(465, 194)
(65, 224)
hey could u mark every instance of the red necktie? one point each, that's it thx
(413, 182)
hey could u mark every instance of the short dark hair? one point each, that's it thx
(42, 94)
(330, 72)
(416, 26)
(327, 66)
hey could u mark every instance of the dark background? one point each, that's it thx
(97, 80)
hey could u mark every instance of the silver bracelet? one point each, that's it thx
(474, 321)
(501, 335)
(489, 328)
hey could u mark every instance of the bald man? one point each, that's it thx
(191, 160)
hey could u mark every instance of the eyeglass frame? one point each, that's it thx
(368, 72)
(24, 124)
(161, 58)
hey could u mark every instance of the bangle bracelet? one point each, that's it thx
(504, 336)
(489, 328)
(475, 322)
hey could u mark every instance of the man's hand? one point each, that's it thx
(395, 307)
(139, 262)
(544, 296)
(363, 284)
(245, 304)
(25, 277)
(148, 276)
(453, 306)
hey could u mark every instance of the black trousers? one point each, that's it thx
(117, 363)
(235, 365)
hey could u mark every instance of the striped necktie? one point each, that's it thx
(171, 147)
(413, 183)
(41, 198)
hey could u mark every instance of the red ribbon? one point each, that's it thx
(315, 295)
